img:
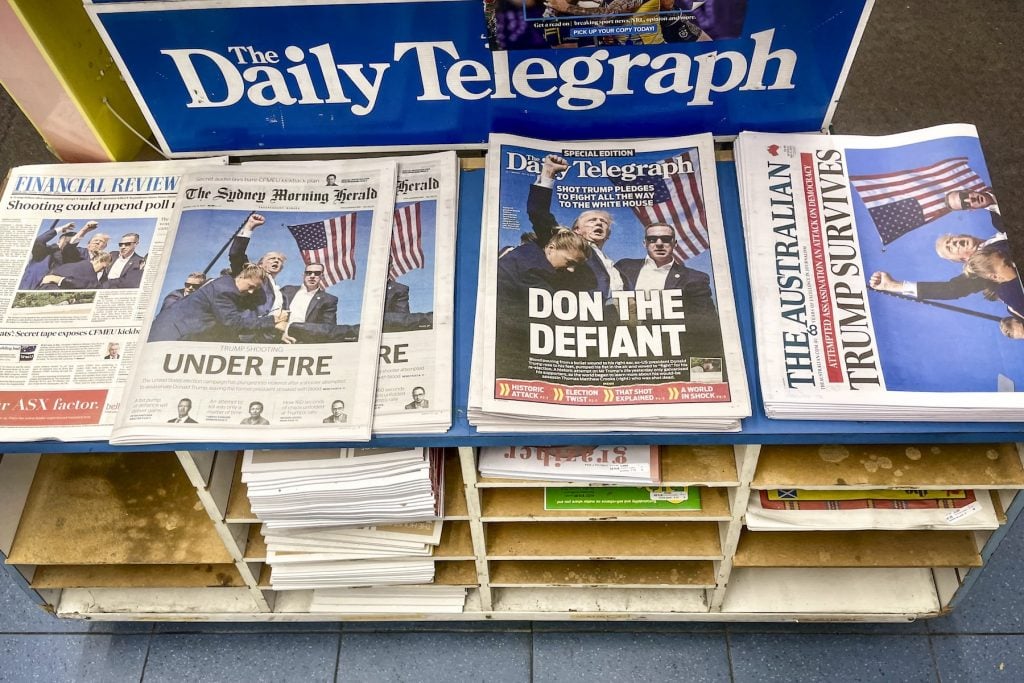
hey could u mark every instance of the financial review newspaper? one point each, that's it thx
(605, 288)
(82, 247)
(883, 280)
(281, 341)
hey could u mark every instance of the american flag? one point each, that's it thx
(332, 243)
(406, 241)
(679, 203)
(904, 200)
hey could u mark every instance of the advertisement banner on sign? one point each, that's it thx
(263, 76)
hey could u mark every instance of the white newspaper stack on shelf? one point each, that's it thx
(883, 281)
(347, 517)
(851, 509)
(623, 319)
(390, 600)
(83, 246)
(281, 343)
(579, 464)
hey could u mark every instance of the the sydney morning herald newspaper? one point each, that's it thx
(280, 343)
(82, 246)
(605, 283)
(883, 278)
(414, 378)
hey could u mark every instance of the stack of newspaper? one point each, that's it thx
(347, 517)
(605, 300)
(851, 509)
(883, 281)
(597, 464)
(196, 302)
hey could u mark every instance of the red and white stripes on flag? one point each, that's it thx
(332, 243)
(406, 241)
(678, 202)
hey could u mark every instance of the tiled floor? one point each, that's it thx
(921, 62)
(983, 640)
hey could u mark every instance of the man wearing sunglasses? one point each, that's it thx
(966, 200)
(661, 270)
(125, 271)
(192, 282)
(309, 303)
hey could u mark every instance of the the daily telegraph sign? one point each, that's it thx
(254, 77)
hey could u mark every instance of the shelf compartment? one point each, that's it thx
(456, 573)
(594, 573)
(790, 593)
(880, 549)
(607, 603)
(114, 508)
(680, 466)
(137, 576)
(454, 488)
(456, 542)
(255, 545)
(603, 541)
(524, 504)
(919, 466)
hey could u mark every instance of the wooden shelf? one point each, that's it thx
(255, 545)
(680, 466)
(239, 510)
(456, 542)
(524, 504)
(593, 573)
(114, 508)
(603, 540)
(137, 576)
(454, 488)
(952, 466)
(456, 573)
(879, 549)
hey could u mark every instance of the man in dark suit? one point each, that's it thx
(46, 256)
(269, 297)
(397, 317)
(309, 303)
(419, 402)
(192, 282)
(74, 251)
(125, 269)
(660, 270)
(184, 406)
(338, 415)
(113, 351)
(223, 310)
(78, 275)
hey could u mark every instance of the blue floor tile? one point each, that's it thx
(995, 603)
(248, 627)
(806, 658)
(438, 656)
(979, 658)
(20, 614)
(833, 628)
(246, 658)
(631, 626)
(72, 657)
(472, 625)
(609, 657)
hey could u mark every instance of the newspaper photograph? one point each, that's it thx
(268, 321)
(606, 287)
(530, 25)
(881, 271)
(82, 247)
(414, 376)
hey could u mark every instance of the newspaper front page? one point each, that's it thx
(883, 278)
(280, 342)
(414, 381)
(82, 247)
(605, 285)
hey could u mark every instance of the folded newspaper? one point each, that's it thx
(83, 245)
(281, 345)
(605, 299)
(883, 280)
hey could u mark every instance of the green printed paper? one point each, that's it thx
(622, 498)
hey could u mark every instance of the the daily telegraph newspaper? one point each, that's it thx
(883, 278)
(82, 247)
(414, 379)
(280, 342)
(605, 288)
(526, 25)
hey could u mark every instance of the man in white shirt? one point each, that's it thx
(125, 272)
(308, 305)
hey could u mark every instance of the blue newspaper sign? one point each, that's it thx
(255, 77)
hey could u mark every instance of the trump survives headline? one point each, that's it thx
(827, 335)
